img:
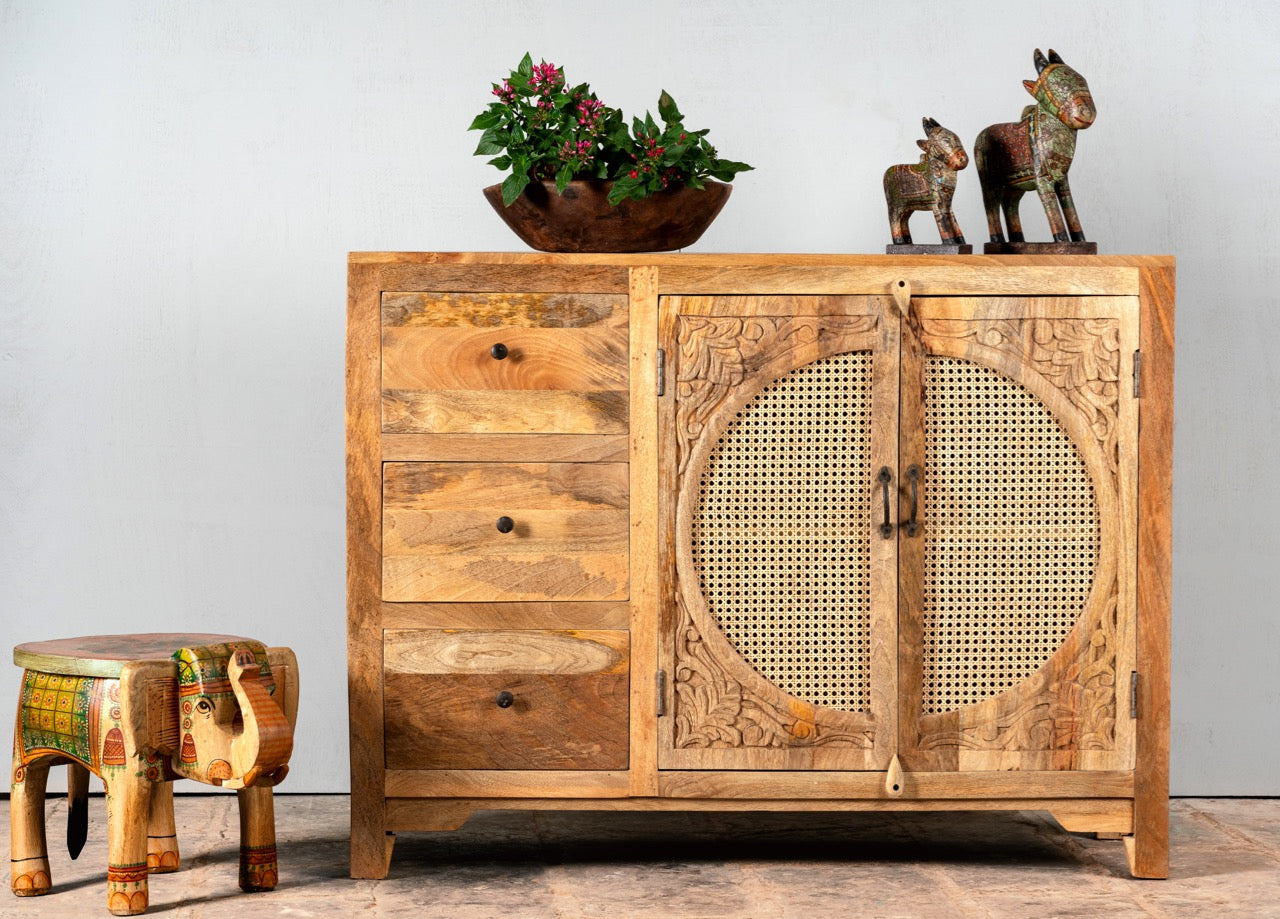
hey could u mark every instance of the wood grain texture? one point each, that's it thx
(1149, 850)
(993, 763)
(556, 721)
(441, 543)
(934, 785)
(643, 492)
(519, 448)
(369, 848)
(725, 712)
(557, 614)
(528, 651)
(105, 655)
(564, 368)
(507, 784)
(1065, 715)
(1088, 814)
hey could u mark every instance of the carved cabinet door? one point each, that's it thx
(1017, 586)
(780, 596)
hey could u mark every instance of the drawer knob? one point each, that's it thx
(499, 352)
(505, 699)
(506, 524)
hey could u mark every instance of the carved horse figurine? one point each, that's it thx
(1036, 152)
(927, 185)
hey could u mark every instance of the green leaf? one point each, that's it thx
(512, 187)
(486, 120)
(501, 162)
(560, 100)
(650, 126)
(637, 126)
(667, 108)
(563, 177)
(488, 145)
(526, 66)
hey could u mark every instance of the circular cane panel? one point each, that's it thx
(1011, 534)
(780, 533)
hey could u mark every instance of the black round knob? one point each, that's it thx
(506, 524)
(499, 352)
(505, 699)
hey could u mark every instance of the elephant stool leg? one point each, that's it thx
(29, 865)
(258, 869)
(162, 834)
(127, 802)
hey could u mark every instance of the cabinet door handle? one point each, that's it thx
(504, 699)
(499, 352)
(506, 524)
(913, 476)
(884, 478)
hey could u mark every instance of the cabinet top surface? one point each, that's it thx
(770, 259)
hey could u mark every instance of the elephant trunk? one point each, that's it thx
(265, 742)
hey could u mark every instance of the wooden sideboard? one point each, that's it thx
(758, 532)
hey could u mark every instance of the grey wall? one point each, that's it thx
(180, 184)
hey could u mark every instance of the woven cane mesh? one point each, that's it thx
(1011, 534)
(780, 533)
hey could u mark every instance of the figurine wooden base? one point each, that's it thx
(920, 249)
(1040, 249)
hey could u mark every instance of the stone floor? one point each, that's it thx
(1225, 863)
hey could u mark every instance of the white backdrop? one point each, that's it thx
(180, 184)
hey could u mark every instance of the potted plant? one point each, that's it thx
(582, 180)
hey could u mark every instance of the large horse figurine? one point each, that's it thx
(926, 186)
(1036, 153)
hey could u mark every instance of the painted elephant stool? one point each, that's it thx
(139, 711)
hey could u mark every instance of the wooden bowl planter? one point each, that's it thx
(583, 220)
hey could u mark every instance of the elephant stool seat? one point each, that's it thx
(140, 711)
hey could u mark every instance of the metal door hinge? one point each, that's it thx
(1133, 694)
(662, 372)
(1137, 374)
(661, 684)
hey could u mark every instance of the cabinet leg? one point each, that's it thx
(371, 855)
(1146, 858)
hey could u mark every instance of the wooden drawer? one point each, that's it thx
(568, 707)
(440, 539)
(565, 369)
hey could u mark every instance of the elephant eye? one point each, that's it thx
(204, 706)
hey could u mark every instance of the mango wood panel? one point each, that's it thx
(1149, 848)
(557, 614)
(557, 721)
(644, 581)
(473, 312)
(504, 783)
(511, 448)
(369, 848)
(1067, 715)
(495, 276)
(441, 542)
(565, 369)
(976, 279)
(937, 785)
(513, 650)
(1077, 815)
(503, 412)
(724, 712)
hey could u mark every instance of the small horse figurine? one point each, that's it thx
(926, 186)
(1036, 153)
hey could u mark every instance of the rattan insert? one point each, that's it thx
(780, 535)
(1011, 534)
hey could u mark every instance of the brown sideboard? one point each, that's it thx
(759, 532)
